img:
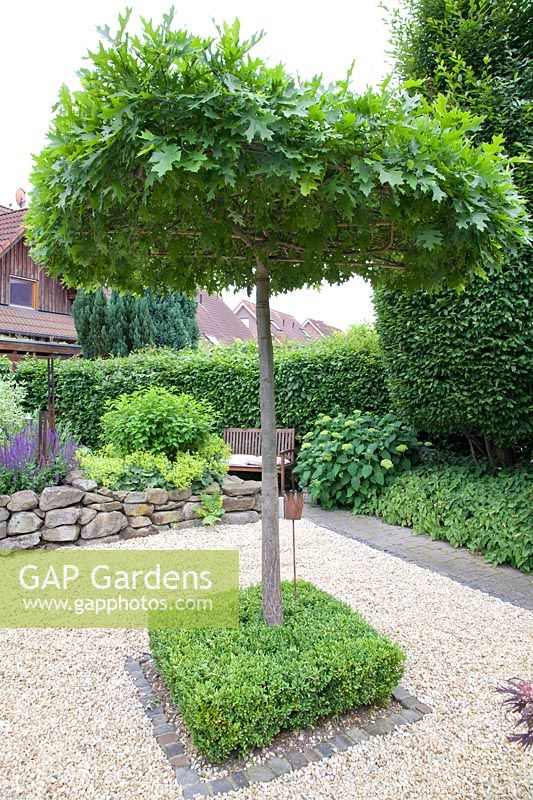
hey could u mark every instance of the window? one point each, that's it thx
(245, 321)
(22, 292)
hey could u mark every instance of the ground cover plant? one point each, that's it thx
(237, 688)
(344, 458)
(467, 506)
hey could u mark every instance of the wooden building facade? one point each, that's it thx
(35, 309)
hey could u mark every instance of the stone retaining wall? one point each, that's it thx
(80, 511)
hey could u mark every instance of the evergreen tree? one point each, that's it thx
(91, 320)
(118, 333)
(99, 334)
(81, 311)
(174, 319)
(140, 330)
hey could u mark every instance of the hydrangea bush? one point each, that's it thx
(345, 458)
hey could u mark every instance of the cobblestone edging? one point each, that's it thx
(79, 511)
(193, 785)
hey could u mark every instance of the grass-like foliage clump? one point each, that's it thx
(238, 688)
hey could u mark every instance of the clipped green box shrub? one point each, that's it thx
(343, 371)
(238, 688)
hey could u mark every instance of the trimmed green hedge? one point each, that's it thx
(489, 513)
(344, 370)
(238, 688)
(462, 364)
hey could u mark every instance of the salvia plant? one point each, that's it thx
(26, 465)
(519, 700)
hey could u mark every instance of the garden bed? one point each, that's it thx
(240, 687)
(287, 752)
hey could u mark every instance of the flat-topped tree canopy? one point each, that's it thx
(185, 162)
(182, 158)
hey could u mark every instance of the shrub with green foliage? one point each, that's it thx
(12, 414)
(237, 688)
(346, 458)
(466, 506)
(463, 364)
(344, 370)
(140, 470)
(156, 420)
(5, 368)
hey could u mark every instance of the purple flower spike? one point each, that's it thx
(22, 466)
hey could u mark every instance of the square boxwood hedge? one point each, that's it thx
(237, 688)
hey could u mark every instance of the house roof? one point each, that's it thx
(41, 324)
(285, 327)
(217, 322)
(11, 227)
(322, 328)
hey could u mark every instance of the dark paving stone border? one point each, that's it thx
(461, 565)
(193, 785)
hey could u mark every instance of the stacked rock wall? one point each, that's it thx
(80, 511)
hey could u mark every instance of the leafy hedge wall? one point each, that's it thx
(344, 370)
(489, 513)
(463, 364)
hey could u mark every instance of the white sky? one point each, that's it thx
(42, 44)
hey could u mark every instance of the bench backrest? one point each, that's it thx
(248, 440)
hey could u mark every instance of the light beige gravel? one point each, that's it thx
(71, 727)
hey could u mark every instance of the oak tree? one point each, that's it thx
(187, 162)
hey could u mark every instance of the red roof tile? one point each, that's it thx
(217, 322)
(19, 322)
(11, 227)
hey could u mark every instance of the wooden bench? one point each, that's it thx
(245, 446)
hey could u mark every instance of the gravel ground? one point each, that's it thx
(71, 727)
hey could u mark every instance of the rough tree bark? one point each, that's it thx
(270, 561)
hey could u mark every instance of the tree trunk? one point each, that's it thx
(270, 562)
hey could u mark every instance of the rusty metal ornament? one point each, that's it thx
(293, 503)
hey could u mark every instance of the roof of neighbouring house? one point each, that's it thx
(322, 327)
(11, 227)
(217, 322)
(41, 324)
(286, 327)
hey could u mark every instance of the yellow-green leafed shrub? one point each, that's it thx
(216, 453)
(140, 470)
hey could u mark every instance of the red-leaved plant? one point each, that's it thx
(519, 700)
